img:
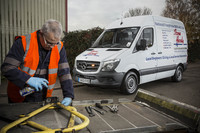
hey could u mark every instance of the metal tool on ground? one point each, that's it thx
(97, 110)
(89, 111)
(98, 105)
(113, 108)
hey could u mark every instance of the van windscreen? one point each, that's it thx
(116, 38)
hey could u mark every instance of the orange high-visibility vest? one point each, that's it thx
(30, 64)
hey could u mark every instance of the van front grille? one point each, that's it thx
(87, 66)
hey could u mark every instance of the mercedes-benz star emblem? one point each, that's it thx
(83, 65)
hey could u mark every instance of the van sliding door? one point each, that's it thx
(166, 64)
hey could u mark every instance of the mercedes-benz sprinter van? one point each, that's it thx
(134, 51)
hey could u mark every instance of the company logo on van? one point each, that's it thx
(92, 53)
(179, 38)
(176, 32)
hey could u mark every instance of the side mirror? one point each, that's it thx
(143, 45)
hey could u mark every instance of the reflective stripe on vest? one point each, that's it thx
(30, 62)
(53, 71)
(28, 70)
(53, 67)
(27, 46)
(28, 38)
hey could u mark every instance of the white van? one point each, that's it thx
(134, 51)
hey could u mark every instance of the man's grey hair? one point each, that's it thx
(53, 26)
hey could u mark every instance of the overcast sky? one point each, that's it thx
(86, 14)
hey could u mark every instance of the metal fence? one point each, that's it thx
(20, 17)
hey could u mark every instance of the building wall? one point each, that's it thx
(20, 17)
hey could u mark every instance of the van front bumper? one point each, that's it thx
(99, 79)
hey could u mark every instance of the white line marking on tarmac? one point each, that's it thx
(104, 120)
(127, 121)
(141, 115)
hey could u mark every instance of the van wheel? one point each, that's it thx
(178, 74)
(130, 83)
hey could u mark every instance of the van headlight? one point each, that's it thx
(110, 65)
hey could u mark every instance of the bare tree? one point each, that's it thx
(147, 11)
(188, 11)
(138, 12)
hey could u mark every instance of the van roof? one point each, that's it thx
(140, 21)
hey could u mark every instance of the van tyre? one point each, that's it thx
(178, 74)
(130, 83)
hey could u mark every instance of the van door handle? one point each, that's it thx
(153, 53)
(159, 52)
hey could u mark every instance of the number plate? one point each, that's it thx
(83, 80)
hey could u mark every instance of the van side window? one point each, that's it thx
(147, 34)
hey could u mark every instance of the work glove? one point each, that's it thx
(37, 83)
(66, 101)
